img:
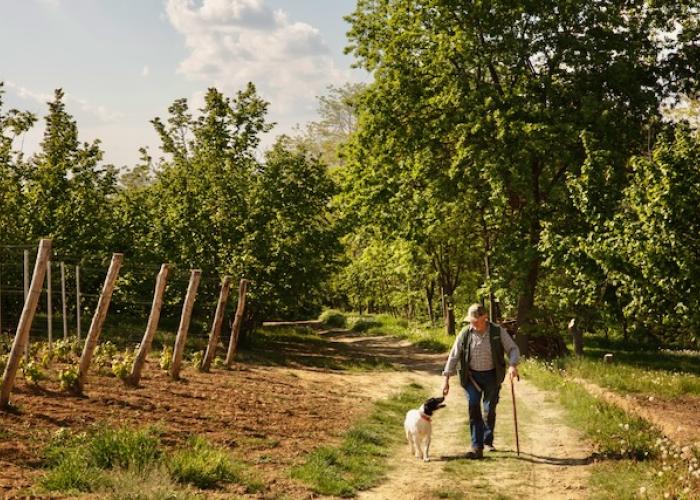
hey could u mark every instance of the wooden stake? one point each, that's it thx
(63, 301)
(181, 338)
(49, 305)
(77, 301)
(151, 327)
(237, 321)
(216, 326)
(26, 293)
(98, 320)
(25, 322)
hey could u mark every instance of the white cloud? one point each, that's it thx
(145, 71)
(102, 113)
(232, 42)
(52, 4)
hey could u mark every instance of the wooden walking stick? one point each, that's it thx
(515, 415)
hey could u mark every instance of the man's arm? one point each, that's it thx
(452, 360)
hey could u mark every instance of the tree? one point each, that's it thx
(290, 245)
(486, 101)
(67, 190)
(13, 125)
(642, 256)
(326, 138)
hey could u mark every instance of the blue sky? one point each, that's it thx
(122, 62)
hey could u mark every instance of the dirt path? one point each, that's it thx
(553, 463)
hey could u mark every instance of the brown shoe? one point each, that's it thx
(475, 454)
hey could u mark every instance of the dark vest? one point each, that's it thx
(497, 352)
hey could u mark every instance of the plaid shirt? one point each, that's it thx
(481, 358)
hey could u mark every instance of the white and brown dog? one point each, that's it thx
(419, 428)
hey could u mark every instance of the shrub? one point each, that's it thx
(64, 349)
(69, 378)
(364, 324)
(33, 372)
(166, 358)
(122, 366)
(196, 359)
(103, 357)
(333, 319)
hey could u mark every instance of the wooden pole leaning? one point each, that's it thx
(216, 325)
(98, 320)
(181, 338)
(151, 327)
(49, 306)
(25, 322)
(237, 321)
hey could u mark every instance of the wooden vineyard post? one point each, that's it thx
(26, 293)
(77, 302)
(25, 322)
(181, 338)
(63, 300)
(151, 327)
(98, 320)
(237, 320)
(216, 326)
(49, 305)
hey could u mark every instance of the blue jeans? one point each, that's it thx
(482, 432)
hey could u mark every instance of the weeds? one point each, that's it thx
(114, 460)
(361, 459)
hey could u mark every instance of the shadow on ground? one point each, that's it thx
(340, 350)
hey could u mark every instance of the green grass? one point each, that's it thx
(206, 466)
(642, 377)
(111, 462)
(361, 459)
(635, 453)
(421, 335)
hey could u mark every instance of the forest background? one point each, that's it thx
(543, 160)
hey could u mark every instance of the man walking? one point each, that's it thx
(479, 349)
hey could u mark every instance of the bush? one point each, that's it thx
(166, 358)
(364, 324)
(122, 366)
(333, 319)
(69, 378)
(33, 372)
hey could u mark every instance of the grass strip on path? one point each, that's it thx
(361, 459)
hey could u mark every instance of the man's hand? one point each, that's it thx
(446, 386)
(513, 372)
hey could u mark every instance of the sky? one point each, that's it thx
(123, 62)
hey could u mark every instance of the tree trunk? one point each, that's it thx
(429, 296)
(526, 301)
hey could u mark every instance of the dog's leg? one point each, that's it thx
(426, 457)
(410, 442)
(419, 448)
